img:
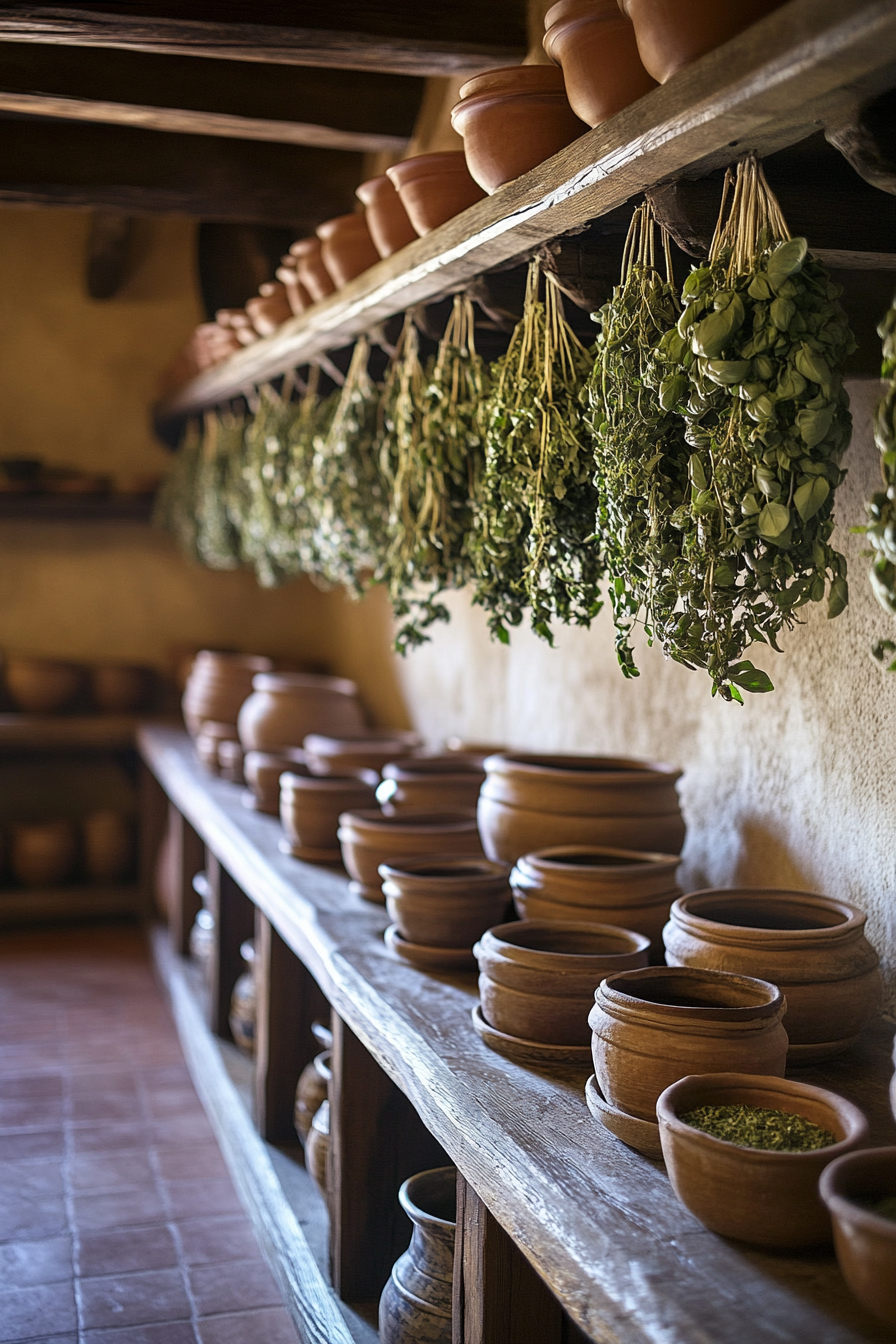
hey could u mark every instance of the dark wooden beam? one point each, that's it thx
(244, 100)
(378, 35)
(868, 142)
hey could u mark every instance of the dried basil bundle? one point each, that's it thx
(218, 537)
(754, 365)
(532, 542)
(175, 506)
(881, 508)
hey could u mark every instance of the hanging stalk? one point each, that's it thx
(218, 542)
(175, 506)
(265, 532)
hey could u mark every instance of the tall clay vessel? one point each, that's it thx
(415, 1307)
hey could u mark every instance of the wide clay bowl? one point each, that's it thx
(513, 119)
(310, 808)
(596, 48)
(430, 783)
(813, 947)
(363, 751)
(765, 1197)
(285, 707)
(865, 1241)
(537, 980)
(607, 886)
(368, 838)
(120, 688)
(673, 33)
(310, 269)
(388, 222)
(41, 685)
(347, 248)
(262, 771)
(445, 900)
(43, 853)
(434, 188)
(654, 1026)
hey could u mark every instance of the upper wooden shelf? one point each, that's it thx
(63, 732)
(809, 65)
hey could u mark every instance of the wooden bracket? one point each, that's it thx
(868, 142)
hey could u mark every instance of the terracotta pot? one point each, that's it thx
(263, 769)
(270, 309)
(537, 980)
(673, 33)
(368, 838)
(108, 846)
(347, 248)
(285, 707)
(230, 761)
(239, 322)
(864, 1241)
(766, 1198)
(364, 751)
(513, 119)
(242, 1013)
(317, 1147)
(310, 808)
(531, 802)
(430, 784)
(202, 934)
(311, 270)
(41, 685)
(120, 688)
(606, 886)
(415, 1307)
(444, 901)
(387, 219)
(208, 742)
(596, 48)
(297, 295)
(654, 1026)
(43, 853)
(813, 947)
(434, 187)
(217, 685)
(311, 1092)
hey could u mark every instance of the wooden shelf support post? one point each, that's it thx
(234, 916)
(153, 808)
(187, 860)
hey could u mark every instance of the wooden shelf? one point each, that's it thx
(67, 732)
(78, 900)
(808, 65)
(38, 508)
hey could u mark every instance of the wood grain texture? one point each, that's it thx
(152, 821)
(65, 732)
(234, 916)
(188, 860)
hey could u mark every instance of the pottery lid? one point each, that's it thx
(579, 941)
(451, 867)
(457, 820)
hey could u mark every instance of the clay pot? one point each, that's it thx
(434, 187)
(242, 1015)
(239, 322)
(673, 33)
(120, 688)
(311, 270)
(537, 980)
(43, 853)
(864, 1241)
(596, 48)
(415, 1307)
(263, 769)
(297, 295)
(208, 742)
(444, 901)
(108, 846)
(607, 886)
(766, 1198)
(368, 838)
(202, 934)
(310, 808)
(230, 761)
(813, 947)
(654, 1026)
(311, 1093)
(41, 685)
(347, 248)
(217, 685)
(365, 751)
(430, 784)
(387, 219)
(513, 119)
(317, 1147)
(270, 309)
(285, 707)
(531, 802)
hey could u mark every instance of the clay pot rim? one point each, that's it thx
(414, 1211)
(369, 191)
(284, 683)
(311, 783)
(480, 102)
(457, 819)
(648, 860)
(323, 744)
(613, 997)
(420, 166)
(512, 80)
(715, 931)
(304, 247)
(227, 660)
(835, 1179)
(618, 770)
(499, 941)
(416, 867)
(560, 21)
(330, 227)
(412, 768)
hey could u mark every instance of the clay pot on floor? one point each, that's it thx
(317, 1147)
(415, 1307)
(120, 688)
(108, 846)
(430, 784)
(595, 47)
(865, 1241)
(513, 119)
(651, 1027)
(311, 1093)
(368, 838)
(366, 751)
(347, 248)
(270, 309)
(763, 1197)
(434, 187)
(310, 268)
(285, 707)
(673, 33)
(41, 685)
(43, 853)
(445, 901)
(537, 980)
(262, 770)
(310, 808)
(812, 947)
(388, 222)
(217, 685)
(242, 1013)
(297, 295)
(530, 802)
(586, 883)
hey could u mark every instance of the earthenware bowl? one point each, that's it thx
(310, 808)
(430, 783)
(368, 838)
(347, 248)
(107, 839)
(43, 853)
(120, 688)
(596, 48)
(387, 219)
(865, 1241)
(673, 33)
(341, 755)
(41, 685)
(263, 770)
(285, 707)
(434, 188)
(444, 900)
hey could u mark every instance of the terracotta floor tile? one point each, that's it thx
(30, 1145)
(29, 1313)
(170, 1102)
(271, 1325)
(106, 1106)
(127, 1169)
(29, 1112)
(31, 1201)
(190, 1162)
(207, 1241)
(126, 1250)
(189, 1199)
(118, 1208)
(176, 1130)
(108, 1137)
(233, 1286)
(31, 1085)
(26, 1263)
(133, 1299)
(180, 1332)
(166, 1075)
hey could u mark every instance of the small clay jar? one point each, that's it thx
(285, 707)
(673, 33)
(310, 808)
(434, 187)
(107, 846)
(263, 770)
(430, 784)
(537, 980)
(202, 934)
(366, 751)
(242, 1015)
(270, 309)
(513, 119)
(595, 46)
(208, 743)
(651, 1027)
(415, 1307)
(217, 685)
(865, 1241)
(297, 295)
(445, 901)
(41, 685)
(230, 761)
(767, 1198)
(311, 1093)
(43, 853)
(120, 688)
(388, 222)
(311, 270)
(368, 838)
(812, 947)
(317, 1147)
(347, 248)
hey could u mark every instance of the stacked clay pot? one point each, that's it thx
(416, 1302)
(595, 46)
(443, 902)
(865, 1241)
(673, 33)
(530, 802)
(430, 784)
(388, 222)
(263, 770)
(588, 884)
(120, 688)
(347, 248)
(812, 947)
(434, 187)
(284, 707)
(310, 808)
(41, 685)
(368, 838)
(217, 686)
(43, 853)
(310, 269)
(108, 846)
(366, 751)
(513, 119)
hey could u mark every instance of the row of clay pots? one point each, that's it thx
(48, 686)
(44, 853)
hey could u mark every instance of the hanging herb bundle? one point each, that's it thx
(881, 508)
(754, 364)
(266, 537)
(532, 543)
(218, 539)
(298, 499)
(175, 506)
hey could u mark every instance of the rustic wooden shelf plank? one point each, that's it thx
(78, 900)
(64, 732)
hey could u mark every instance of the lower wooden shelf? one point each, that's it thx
(87, 900)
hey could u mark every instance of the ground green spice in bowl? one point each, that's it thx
(759, 1127)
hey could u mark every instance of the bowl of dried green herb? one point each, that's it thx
(744, 1153)
(859, 1190)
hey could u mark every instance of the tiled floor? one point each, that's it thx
(118, 1220)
